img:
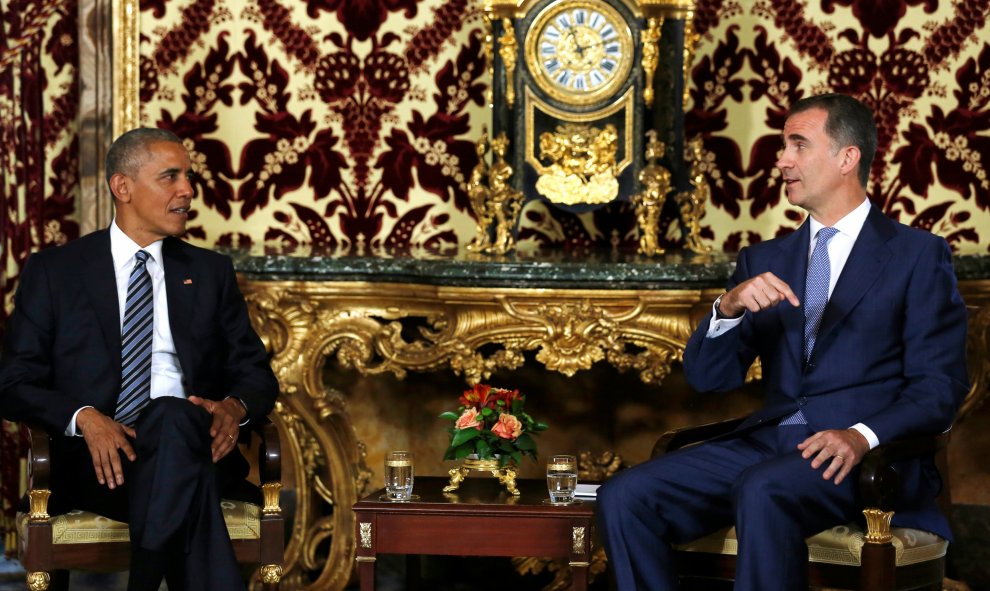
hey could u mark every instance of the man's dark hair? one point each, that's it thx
(848, 122)
(127, 153)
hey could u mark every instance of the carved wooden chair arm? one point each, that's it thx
(679, 438)
(270, 454)
(878, 481)
(39, 460)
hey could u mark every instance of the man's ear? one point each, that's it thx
(850, 160)
(120, 186)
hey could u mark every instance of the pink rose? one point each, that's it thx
(468, 419)
(507, 427)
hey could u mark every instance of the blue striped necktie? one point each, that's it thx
(135, 348)
(815, 297)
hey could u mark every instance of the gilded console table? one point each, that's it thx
(472, 316)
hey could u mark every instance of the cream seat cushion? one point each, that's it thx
(840, 545)
(82, 527)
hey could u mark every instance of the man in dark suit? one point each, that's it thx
(861, 333)
(134, 350)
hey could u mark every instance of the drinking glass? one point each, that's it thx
(561, 479)
(399, 475)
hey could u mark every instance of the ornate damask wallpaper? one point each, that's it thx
(350, 124)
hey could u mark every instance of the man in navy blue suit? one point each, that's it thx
(861, 334)
(142, 433)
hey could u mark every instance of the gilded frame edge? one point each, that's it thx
(125, 15)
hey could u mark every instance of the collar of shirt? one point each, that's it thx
(849, 226)
(123, 249)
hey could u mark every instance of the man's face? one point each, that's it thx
(810, 163)
(155, 201)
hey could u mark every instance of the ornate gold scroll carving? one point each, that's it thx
(508, 48)
(650, 37)
(473, 332)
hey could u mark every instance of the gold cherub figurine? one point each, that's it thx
(692, 203)
(655, 179)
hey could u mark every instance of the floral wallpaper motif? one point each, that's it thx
(39, 168)
(351, 124)
(922, 65)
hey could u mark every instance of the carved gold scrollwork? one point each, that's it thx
(878, 526)
(650, 37)
(271, 573)
(691, 38)
(38, 581)
(582, 165)
(38, 504)
(305, 323)
(577, 540)
(508, 48)
(365, 532)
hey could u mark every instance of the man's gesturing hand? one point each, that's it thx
(842, 448)
(766, 290)
(104, 437)
(227, 416)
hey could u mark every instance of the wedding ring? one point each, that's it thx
(230, 437)
(838, 457)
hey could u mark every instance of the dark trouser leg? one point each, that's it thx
(779, 503)
(669, 500)
(174, 503)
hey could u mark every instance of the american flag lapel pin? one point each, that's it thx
(187, 282)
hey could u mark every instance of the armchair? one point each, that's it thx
(86, 541)
(843, 557)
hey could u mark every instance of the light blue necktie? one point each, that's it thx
(135, 349)
(815, 297)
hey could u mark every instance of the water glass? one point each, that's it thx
(399, 475)
(561, 479)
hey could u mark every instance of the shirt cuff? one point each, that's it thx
(71, 430)
(719, 326)
(868, 433)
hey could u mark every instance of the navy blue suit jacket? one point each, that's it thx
(890, 352)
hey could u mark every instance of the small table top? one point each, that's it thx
(477, 495)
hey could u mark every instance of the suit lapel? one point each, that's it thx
(101, 284)
(180, 290)
(863, 268)
(791, 266)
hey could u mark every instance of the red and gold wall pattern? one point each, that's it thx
(350, 124)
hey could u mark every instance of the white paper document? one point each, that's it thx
(586, 491)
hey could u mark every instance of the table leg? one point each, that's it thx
(579, 576)
(366, 572)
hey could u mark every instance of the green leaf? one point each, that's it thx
(517, 457)
(482, 448)
(540, 426)
(463, 435)
(463, 452)
(486, 412)
(525, 442)
(449, 416)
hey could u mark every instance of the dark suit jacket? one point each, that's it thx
(62, 345)
(890, 352)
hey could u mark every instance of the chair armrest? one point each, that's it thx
(679, 438)
(39, 458)
(270, 454)
(878, 481)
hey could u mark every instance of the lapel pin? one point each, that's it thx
(187, 282)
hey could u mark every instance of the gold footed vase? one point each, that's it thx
(506, 475)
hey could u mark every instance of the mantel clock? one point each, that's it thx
(576, 84)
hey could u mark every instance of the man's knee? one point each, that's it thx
(176, 416)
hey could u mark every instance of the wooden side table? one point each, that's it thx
(461, 524)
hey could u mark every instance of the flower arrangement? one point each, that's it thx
(491, 423)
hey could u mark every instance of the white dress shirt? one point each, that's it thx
(839, 248)
(166, 374)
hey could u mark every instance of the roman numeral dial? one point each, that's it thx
(579, 51)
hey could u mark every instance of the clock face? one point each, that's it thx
(579, 51)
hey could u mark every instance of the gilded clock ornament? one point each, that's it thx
(579, 51)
